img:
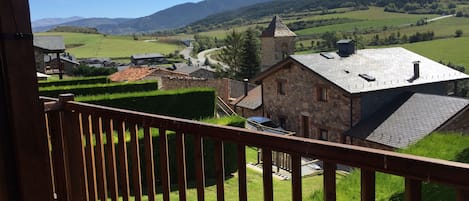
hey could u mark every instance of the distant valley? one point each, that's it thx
(162, 20)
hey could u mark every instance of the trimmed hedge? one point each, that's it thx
(74, 81)
(195, 103)
(95, 89)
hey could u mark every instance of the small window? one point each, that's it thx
(322, 94)
(281, 87)
(283, 122)
(323, 134)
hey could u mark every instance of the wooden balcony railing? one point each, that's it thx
(100, 172)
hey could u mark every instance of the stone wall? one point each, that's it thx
(300, 107)
(459, 124)
(366, 143)
(221, 86)
(39, 59)
(272, 48)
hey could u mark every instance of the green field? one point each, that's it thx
(97, 45)
(370, 19)
(454, 50)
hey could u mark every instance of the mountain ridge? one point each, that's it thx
(169, 18)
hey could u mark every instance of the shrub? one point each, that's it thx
(193, 103)
(94, 89)
(458, 33)
(87, 71)
(74, 81)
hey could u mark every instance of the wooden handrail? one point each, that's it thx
(92, 118)
(415, 167)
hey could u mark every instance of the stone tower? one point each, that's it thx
(277, 42)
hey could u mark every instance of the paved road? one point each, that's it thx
(439, 18)
(186, 52)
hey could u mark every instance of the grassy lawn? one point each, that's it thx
(454, 147)
(282, 189)
(452, 49)
(96, 45)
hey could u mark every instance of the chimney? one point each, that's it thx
(346, 47)
(245, 86)
(416, 69)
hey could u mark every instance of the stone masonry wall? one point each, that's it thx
(221, 86)
(272, 48)
(459, 124)
(300, 103)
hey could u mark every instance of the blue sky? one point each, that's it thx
(98, 8)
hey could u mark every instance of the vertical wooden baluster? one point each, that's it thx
(58, 156)
(90, 162)
(150, 167)
(199, 167)
(462, 195)
(75, 154)
(136, 174)
(413, 190)
(181, 159)
(164, 164)
(220, 170)
(296, 177)
(111, 160)
(123, 163)
(100, 163)
(267, 174)
(329, 181)
(242, 182)
(367, 185)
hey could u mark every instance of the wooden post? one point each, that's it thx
(462, 195)
(267, 174)
(367, 185)
(413, 190)
(27, 175)
(329, 181)
(296, 177)
(75, 152)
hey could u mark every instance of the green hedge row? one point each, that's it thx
(74, 81)
(195, 103)
(94, 89)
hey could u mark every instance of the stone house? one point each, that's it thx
(44, 46)
(321, 96)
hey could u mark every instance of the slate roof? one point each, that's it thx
(408, 119)
(391, 67)
(252, 101)
(277, 28)
(50, 43)
(184, 68)
(147, 56)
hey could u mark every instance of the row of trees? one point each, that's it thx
(241, 54)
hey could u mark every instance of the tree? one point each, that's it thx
(458, 33)
(232, 54)
(250, 64)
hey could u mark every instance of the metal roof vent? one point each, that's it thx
(367, 77)
(326, 55)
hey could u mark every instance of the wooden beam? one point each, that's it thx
(31, 179)
(296, 177)
(267, 174)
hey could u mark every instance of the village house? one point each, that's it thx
(45, 46)
(148, 59)
(324, 95)
(68, 61)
